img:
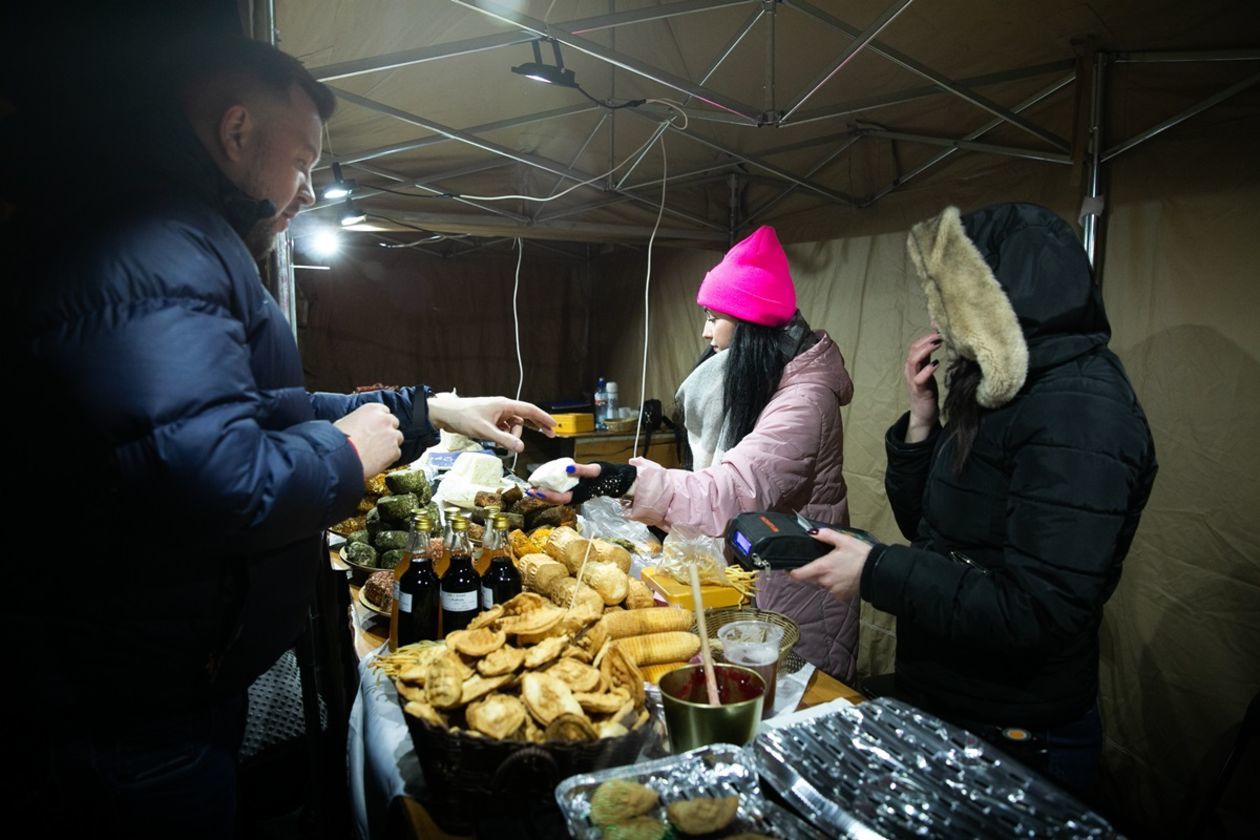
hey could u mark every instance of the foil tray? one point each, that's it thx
(885, 769)
(717, 770)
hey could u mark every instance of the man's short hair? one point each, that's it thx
(223, 69)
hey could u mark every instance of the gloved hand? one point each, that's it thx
(599, 478)
(612, 480)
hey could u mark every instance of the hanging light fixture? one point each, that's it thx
(351, 215)
(540, 72)
(340, 187)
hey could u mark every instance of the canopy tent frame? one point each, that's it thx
(705, 105)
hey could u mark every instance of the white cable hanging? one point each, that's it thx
(647, 285)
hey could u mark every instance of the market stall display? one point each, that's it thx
(524, 675)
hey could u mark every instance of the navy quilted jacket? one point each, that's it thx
(194, 472)
(1000, 596)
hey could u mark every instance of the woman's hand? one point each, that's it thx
(496, 419)
(920, 375)
(580, 471)
(598, 479)
(839, 571)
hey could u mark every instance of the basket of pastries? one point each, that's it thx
(528, 694)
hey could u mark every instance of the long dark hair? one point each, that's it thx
(753, 371)
(962, 412)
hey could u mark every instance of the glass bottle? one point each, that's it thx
(601, 404)
(417, 591)
(501, 581)
(437, 547)
(440, 565)
(461, 585)
(482, 563)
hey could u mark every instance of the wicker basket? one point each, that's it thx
(468, 776)
(716, 618)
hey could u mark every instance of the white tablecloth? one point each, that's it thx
(381, 760)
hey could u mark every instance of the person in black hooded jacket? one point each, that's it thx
(1021, 508)
(195, 472)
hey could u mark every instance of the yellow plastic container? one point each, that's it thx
(572, 424)
(679, 594)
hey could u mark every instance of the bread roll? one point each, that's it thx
(609, 581)
(606, 552)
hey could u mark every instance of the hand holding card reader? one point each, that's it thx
(765, 540)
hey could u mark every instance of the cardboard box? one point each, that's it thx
(571, 424)
(678, 594)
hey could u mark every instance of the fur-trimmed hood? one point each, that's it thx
(1010, 287)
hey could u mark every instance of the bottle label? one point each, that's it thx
(404, 600)
(459, 601)
(487, 598)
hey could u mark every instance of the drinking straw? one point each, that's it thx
(706, 656)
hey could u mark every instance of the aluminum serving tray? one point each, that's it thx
(887, 769)
(718, 770)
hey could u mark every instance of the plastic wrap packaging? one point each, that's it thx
(685, 546)
(605, 517)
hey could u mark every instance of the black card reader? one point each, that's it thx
(765, 540)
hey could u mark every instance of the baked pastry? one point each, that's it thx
(505, 660)
(636, 828)
(498, 715)
(569, 727)
(576, 675)
(621, 799)
(547, 698)
(702, 816)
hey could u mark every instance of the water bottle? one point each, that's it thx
(610, 401)
(601, 404)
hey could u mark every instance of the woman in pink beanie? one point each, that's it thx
(762, 412)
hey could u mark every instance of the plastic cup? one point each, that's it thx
(693, 722)
(755, 645)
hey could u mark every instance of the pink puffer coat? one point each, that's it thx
(791, 461)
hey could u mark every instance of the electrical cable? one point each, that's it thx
(396, 222)
(516, 326)
(647, 285)
(629, 103)
(542, 200)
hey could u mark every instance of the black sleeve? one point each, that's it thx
(907, 473)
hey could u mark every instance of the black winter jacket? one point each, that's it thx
(193, 473)
(1000, 597)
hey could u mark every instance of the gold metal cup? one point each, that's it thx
(692, 722)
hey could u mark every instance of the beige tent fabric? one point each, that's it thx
(1181, 635)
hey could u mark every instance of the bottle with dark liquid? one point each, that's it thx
(482, 562)
(501, 581)
(461, 585)
(417, 591)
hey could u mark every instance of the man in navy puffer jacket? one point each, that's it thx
(198, 471)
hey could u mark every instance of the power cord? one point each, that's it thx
(647, 285)
(516, 325)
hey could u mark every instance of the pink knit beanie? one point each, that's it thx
(752, 282)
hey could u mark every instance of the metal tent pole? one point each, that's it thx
(1092, 210)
